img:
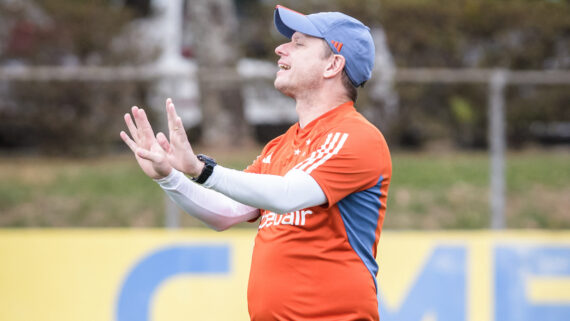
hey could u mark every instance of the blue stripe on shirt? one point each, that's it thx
(360, 213)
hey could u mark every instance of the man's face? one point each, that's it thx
(301, 65)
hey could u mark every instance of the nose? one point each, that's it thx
(281, 50)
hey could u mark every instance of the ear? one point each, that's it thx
(334, 67)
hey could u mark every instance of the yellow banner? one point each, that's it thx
(195, 274)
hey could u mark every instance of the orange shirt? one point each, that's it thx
(319, 263)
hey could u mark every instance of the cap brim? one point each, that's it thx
(288, 21)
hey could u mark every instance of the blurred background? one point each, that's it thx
(473, 97)
(445, 72)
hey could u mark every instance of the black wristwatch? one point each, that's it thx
(209, 164)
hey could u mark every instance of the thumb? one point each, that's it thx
(148, 155)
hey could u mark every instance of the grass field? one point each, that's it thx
(428, 191)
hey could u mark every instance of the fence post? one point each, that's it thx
(497, 144)
(172, 214)
(170, 25)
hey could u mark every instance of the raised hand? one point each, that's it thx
(150, 156)
(179, 151)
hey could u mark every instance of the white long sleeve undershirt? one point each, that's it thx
(229, 196)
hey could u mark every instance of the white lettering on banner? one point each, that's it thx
(297, 218)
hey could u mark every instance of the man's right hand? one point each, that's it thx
(150, 156)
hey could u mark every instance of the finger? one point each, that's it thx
(168, 101)
(134, 111)
(171, 114)
(180, 126)
(163, 142)
(132, 145)
(134, 118)
(143, 125)
(131, 126)
(148, 155)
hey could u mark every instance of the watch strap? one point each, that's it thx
(208, 169)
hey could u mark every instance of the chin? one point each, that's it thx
(283, 88)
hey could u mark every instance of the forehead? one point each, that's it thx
(301, 36)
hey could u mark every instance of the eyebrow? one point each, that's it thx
(298, 36)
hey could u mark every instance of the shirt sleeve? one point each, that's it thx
(255, 166)
(347, 162)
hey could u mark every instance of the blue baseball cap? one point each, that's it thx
(345, 35)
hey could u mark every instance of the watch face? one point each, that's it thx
(207, 160)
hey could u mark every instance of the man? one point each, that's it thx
(320, 189)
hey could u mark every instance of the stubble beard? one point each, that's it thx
(296, 89)
(284, 88)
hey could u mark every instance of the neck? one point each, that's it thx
(312, 107)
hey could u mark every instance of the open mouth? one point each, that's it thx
(284, 67)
